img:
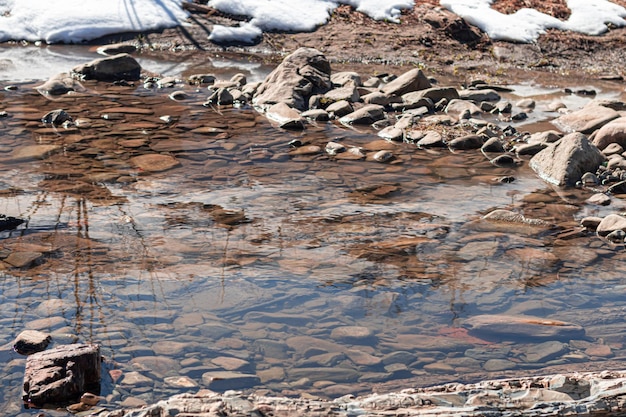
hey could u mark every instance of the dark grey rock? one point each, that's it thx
(493, 145)
(466, 142)
(116, 67)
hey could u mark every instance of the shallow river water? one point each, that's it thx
(316, 275)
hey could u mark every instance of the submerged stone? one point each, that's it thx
(154, 162)
(496, 326)
(116, 67)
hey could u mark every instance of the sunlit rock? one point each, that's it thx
(31, 341)
(412, 80)
(301, 74)
(564, 163)
(61, 374)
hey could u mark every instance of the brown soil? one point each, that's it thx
(556, 8)
(427, 36)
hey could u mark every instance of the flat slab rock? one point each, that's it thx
(575, 394)
(522, 327)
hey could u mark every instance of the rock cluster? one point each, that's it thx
(578, 394)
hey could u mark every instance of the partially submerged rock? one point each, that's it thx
(285, 116)
(61, 375)
(58, 85)
(610, 224)
(31, 341)
(565, 162)
(496, 326)
(116, 67)
(587, 119)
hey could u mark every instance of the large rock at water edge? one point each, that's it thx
(62, 374)
(300, 75)
(114, 68)
(565, 162)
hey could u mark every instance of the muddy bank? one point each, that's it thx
(427, 36)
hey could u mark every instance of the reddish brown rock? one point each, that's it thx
(61, 375)
(522, 327)
(31, 341)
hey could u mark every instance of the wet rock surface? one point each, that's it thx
(61, 375)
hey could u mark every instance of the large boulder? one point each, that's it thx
(113, 68)
(564, 162)
(613, 132)
(302, 74)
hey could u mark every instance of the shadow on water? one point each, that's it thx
(313, 273)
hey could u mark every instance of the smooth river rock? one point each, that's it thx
(565, 162)
(496, 326)
(116, 67)
(31, 341)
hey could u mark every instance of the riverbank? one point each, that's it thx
(427, 36)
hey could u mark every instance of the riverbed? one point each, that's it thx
(319, 275)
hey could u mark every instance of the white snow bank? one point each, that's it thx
(294, 15)
(73, 21)
(526, 25)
